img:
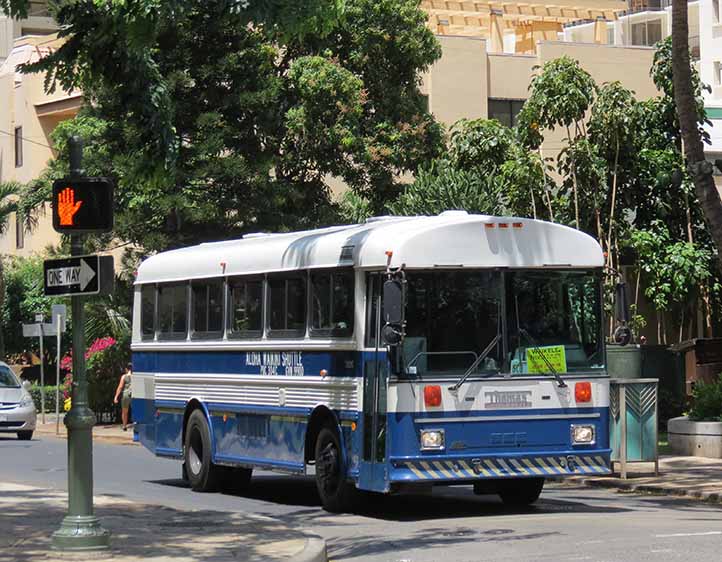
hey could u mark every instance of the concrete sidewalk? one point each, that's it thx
(110, 433)
(148, 532)
(694, 477)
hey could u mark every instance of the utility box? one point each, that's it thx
(633, 424)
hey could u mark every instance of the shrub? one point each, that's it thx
(49, 397)
(105, 361)
(707, 401)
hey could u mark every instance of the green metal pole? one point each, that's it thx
(80, 530)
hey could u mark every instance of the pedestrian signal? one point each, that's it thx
(82, 205)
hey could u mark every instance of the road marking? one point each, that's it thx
(688, 535)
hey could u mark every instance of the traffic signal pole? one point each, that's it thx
(80, 530)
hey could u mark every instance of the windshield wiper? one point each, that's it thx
(476, 362)
(552, 370)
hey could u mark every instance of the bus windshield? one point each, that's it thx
(553, 322)
(451, 317)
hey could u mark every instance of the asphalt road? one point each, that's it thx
(451, 525)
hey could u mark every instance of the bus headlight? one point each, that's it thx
(432, 439)
(582, 435)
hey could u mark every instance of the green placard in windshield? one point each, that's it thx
(555, 356)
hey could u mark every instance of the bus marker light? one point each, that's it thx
(353, 426)
(225, 418)
(517, 225)
(490, 225)
(432, 395)
(503, 225)
(583, 392)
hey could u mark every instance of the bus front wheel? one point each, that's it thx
(203, 475)
(520, 492)
(335, 492)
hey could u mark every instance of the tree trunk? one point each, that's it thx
(684, 97)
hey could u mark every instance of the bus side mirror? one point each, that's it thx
(622, 334)
(392, 332)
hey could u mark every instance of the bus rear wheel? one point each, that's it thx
(520, 492)
(203, 475)
(335, 492)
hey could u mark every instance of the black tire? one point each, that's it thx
(235, 479)
(520, 492)
(25, 435)
(203, 475)
(336, 493)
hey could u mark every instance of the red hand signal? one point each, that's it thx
(67, 206)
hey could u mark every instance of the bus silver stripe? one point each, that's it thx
(510, 418)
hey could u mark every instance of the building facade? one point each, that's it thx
(27, 118)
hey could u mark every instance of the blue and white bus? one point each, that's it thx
(402, 353)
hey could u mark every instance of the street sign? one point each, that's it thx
(82, 205)
(33, 330)
(79, 275)
(59, 310)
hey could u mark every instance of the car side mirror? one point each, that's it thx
(27, 385)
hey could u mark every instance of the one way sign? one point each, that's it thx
(79, 275)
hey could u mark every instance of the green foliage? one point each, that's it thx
(104, 369)
(444, 187)
(661, 73)
(36, 394)
(707, 401)
(353, 208)
(218, 118)
(479, 144)
(23, 279)
(560, 94)
(672, 270)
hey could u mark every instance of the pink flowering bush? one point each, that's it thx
(105, 361)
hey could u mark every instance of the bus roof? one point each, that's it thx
(451, 239)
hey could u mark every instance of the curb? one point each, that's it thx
(658, 490)
(99, 438)
(314, 551)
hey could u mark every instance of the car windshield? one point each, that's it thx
(451, 318)
(8, 378)
(554, 321)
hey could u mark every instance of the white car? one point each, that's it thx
(17, 410)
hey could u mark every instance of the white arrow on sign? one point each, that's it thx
(81, 275)
(86, 274)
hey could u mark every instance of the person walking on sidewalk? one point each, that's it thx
(123, 390)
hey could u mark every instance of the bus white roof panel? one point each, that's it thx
(451, 239)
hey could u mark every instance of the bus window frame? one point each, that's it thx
(152, 336)
(172, 336)
(331, 332)
(209, 334)
(281, 333)
(244, 334)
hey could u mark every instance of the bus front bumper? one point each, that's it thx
(556, 464)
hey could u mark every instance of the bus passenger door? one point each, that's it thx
(372, 469)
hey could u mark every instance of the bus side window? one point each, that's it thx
(147, 312)
(172, 310)
(207, 308)
(245, 308)
(287, 306)
(332, 294)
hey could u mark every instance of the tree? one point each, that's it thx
(216, 118)
(560, 96)
(8, 205)
(687, 102)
